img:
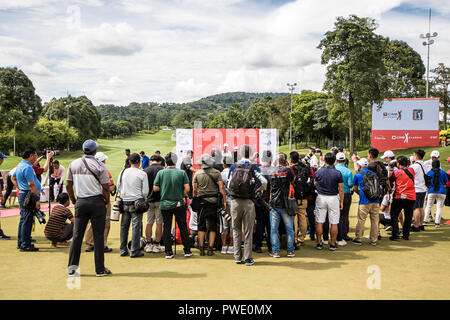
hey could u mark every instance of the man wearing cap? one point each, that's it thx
(367, 208)
(347, 176)
(2, 204)
(89, 178)
(207, 184)
(89, 237)
(145, 161)
(133, 185)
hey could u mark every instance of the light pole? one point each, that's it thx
(291, 89)
(429, 42)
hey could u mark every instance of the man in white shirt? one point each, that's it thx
(314, 163)
(421, 190)
(56, 177)
(133, 186)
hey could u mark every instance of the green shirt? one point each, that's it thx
(171, 181)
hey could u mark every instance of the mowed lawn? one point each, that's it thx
(415, 269)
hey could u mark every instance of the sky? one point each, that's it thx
(117, 52)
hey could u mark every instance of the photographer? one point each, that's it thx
(48, 155)
(27, 182)
(56, 174)
(207, 184)
(57, 230)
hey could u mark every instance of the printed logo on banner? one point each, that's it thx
(418, 114)
(393, 115)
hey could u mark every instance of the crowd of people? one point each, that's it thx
(231, 201)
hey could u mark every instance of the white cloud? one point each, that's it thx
(38, 69)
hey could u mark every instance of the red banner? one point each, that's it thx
(403, 139)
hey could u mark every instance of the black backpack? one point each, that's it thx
(241, 182)
(372, 189)
(304, 182)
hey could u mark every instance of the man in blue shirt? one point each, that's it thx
(347, 176)
(145, 160)
(27, 182)
(366, 207)
(330, 199)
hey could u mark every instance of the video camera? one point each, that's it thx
(40, 216)
(54, 152)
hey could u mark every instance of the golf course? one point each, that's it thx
(414, 269)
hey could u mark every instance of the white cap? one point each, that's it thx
(434, 154)
(363, 162)
(236, 148)
(100, 156)
(225, 145)
(340, 156)
(388, 154)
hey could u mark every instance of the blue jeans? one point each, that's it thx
(130, 216)
(276, 214)
(25, 223)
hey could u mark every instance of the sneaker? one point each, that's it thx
(137, 255)
(325, 241)
(347, 238)
(107, 249)
(357, 242)
(319, 246)
(156, 248)
(148, 248)
(342, 243)
(124, 254)
(373, 243)
(249, 262)
(237, 261)
(393, 238)
(210, 252)
(414, 229)
(274, 254)
(29, 249)
(333, 247)
(437, 225)
(230, 250)
(290, 254)
(169, 255)
(89, 249)
(422, 228)
(224, 249)
(187, 253)
(105, 272)
(4, 237)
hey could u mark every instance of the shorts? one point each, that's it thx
(154, 213)
(327, 205)
(420, 200)
(207, 218)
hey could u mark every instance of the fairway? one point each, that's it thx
(415, 269)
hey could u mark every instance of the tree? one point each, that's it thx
(355, 68)
(54, 134)
(440, 87)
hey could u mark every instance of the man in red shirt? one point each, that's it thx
(404, 197)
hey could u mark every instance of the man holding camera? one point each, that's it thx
(207, 184)
(132, 187)
(90, 179)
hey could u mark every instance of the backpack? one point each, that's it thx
(382, 175)
(240, 184)
(372, 189)
(304, 182)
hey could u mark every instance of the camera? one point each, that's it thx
(54, 152)
(261, 202)
(225, 214)
(40, 216)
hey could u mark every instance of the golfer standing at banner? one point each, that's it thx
(90, 179)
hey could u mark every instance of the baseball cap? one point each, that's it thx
(363, 162)
(225, 145)
(340, 156)
(100, 156)
(206, 161)
(388, 154)
(434, 154)
(90, 146)
(3, 156)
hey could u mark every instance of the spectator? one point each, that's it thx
(262, 213)
(127, 154)
(225, 223)
(174, 186)
(57, 230)
(9, 187)
(145, 160)
(347, 176)
(437, 191)
(132, 185)
(367, 207)
(218, 160)
(89, 237)
(27, 182)
(421, 190)
(226, 152)
(163, 162)
(90, 179)
(3, 202)
(314, 163)
(207, 184)
(187, 166)
(280, 183)
(388, 157)
(242, 188)
(434, 155)
(56, 177)
(404, 197)
(154, 212)
(330, 199)
(447, 198)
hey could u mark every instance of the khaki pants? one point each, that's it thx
(89, 236)
(300, 223)
(365, 210)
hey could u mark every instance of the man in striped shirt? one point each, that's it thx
(57, 230)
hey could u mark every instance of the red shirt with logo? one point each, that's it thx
(404, 185)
